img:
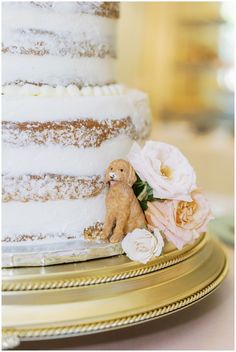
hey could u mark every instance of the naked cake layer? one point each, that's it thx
(80, 133)
(25, 188)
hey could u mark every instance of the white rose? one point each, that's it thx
(165, 169)
(141, 245)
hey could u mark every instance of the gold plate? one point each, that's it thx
(105, 294)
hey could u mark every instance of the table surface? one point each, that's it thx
(207, 325)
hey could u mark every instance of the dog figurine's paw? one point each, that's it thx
(116, 239)
(104, 237)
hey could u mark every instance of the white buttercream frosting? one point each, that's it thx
(61, 91)
(56, 159)
(64, 216)
(57, 70)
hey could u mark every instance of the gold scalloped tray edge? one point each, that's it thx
(83, 329)
(91, 273)
(74, 311)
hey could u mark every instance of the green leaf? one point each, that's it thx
(144, 205)
(144, 193)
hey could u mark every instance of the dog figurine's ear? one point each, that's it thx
(107, 176)
(132, 177)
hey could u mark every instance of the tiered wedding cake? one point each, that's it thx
(64, 120)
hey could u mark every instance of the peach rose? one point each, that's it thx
(181, 222)
(165, 169)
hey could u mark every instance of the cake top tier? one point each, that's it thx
(59, 43)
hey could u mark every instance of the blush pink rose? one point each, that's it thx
(181, 222)
(165, 169)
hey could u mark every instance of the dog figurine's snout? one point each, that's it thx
(112, 175)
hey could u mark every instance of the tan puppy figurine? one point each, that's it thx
(123, 212)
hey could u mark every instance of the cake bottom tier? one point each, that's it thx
(53, 232)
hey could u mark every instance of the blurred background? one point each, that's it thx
(182, 55)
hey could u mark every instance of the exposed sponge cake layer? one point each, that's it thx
(92, 232)
(41, 188)
(74, 49)
(80, 133)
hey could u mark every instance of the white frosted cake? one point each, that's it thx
(64, 120)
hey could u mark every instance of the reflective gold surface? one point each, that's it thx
(138, 292)
(91, 272)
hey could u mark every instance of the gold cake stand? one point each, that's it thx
(105, 294)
